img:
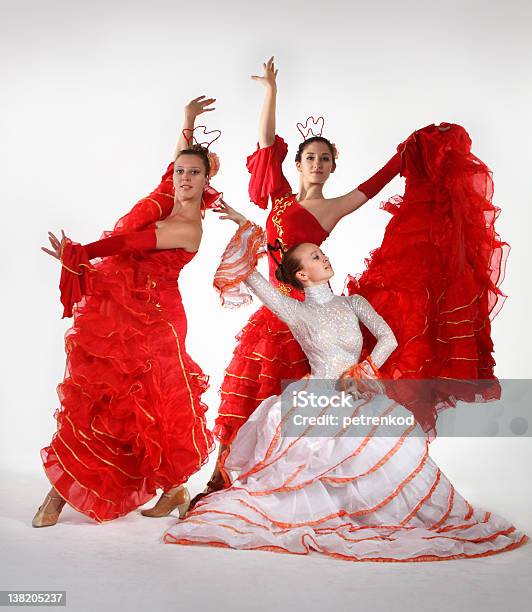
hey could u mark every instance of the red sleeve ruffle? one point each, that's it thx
(267, 178)
(75, 280)
(211, 197)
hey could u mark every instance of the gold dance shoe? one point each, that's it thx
(175, 498)
(48, 513)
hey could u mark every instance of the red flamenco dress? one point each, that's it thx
(266, 351)
(435, 278)
(131, 418)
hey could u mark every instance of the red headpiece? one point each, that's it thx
(206, 138)
(314, 129)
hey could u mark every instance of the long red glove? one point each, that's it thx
(75, 275)
(123, 243)
(380, 179)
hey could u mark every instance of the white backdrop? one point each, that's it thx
(93, 106)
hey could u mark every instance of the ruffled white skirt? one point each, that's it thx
(364, 498)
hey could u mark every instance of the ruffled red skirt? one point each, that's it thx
(131, 418)
(266, 353)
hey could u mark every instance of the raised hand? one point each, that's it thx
(197, 106)
(56, 245)
(269, 76)
(228, 213)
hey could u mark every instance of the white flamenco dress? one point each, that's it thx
(365, 497)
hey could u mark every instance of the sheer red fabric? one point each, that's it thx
(157, 205)
(267, 179)
(435, 278)
(131, 418)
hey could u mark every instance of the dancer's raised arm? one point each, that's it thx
(193, 109)
(267, 116)
(265, 165)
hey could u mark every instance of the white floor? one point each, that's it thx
(122, 565)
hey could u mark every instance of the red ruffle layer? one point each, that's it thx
(266, 353)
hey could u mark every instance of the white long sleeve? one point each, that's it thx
(283, 306)
(386, 341)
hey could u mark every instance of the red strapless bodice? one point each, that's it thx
(162, 267)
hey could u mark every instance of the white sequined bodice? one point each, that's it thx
(327, 326)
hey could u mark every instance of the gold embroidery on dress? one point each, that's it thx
(284, 289)
(184, 373)
(279, 206)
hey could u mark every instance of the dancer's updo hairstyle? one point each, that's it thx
(289, 266)
(308, 141)
(199, 151)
